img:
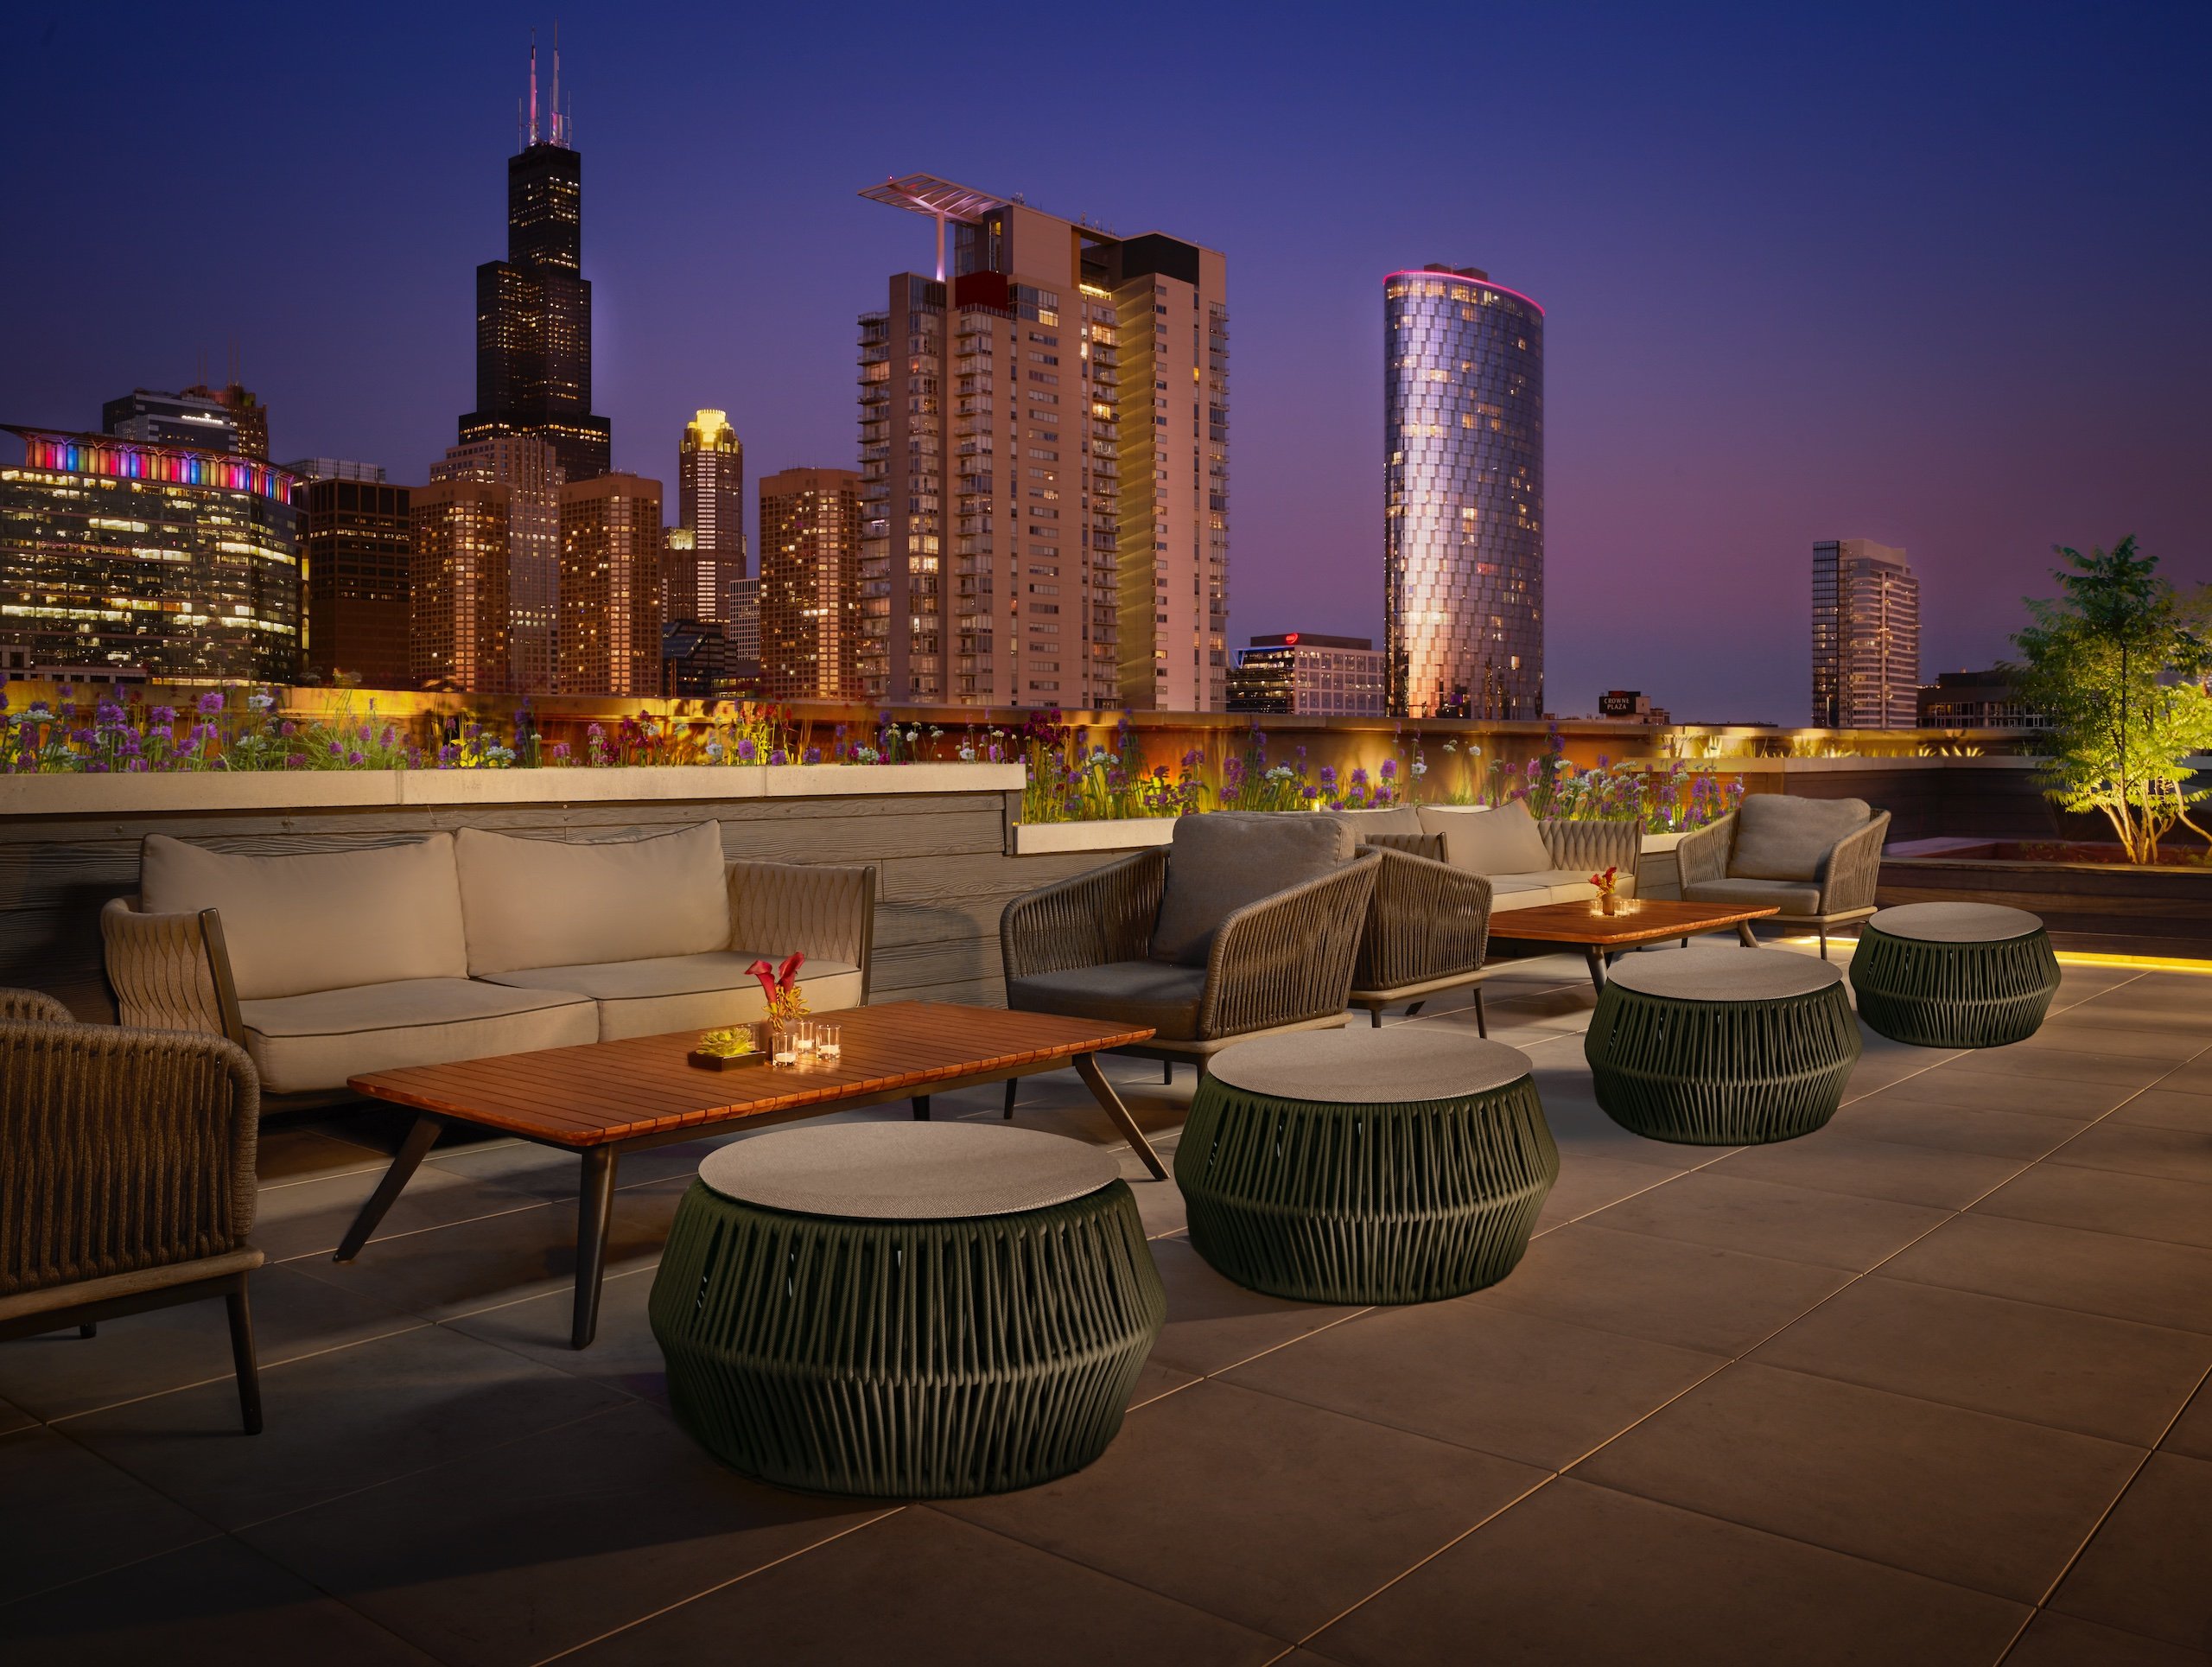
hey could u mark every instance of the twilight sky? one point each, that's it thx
(1936, 275)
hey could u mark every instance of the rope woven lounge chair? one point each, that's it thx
(129, 1182)
(1818, 860)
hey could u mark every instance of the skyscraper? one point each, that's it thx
(611, 591)
(194, 417)
(810, 585)
(248, 415)
(355, 573)
(1865, 637)
(457, 586)
(181, 560)
(1463, 416)
(529, 469)
(711, 506)
(1044, 446)
(533, 309)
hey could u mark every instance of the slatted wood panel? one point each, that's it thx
(2095, 909)
(1651, 922)
(604, 1091)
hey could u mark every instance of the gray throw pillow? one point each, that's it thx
(1391, 820)
(1504, 840)
(1222, 861)
(1780, 836)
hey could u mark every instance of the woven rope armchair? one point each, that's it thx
(1836, 888)
(1427, 931)
(129, 1180)
(1284, 963)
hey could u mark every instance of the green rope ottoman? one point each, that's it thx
(1400, 1165)
(907, 1310)
(1954, 975)
(1722, 1046)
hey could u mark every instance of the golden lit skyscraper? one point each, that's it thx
(457, 586)
(530, 469)
(611, 591)
(711, 506)
(1044, 461)
(810, 585)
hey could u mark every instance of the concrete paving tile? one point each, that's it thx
(2059, 1640)
(1270, 1513)
(1715, 1206)
(2138, 1149)
(308, 1217)
(336, 1422)
(2098, 1273)
(214, 1601)
(2144, 1571)
(625, 1355)
(2192, 1432)
(1987, 1503)
(1588, 1184)
(2118, 1069)
(300, 1152)
(922, 1588)
(1888, 1116)
(2106, 1201)
(1838, 1161)
(69, 1514)
(1582, 1130)
(2168, 1108)
(1581, 1574)
(2109, 1377)
(2043, 1096)
(2105, 1030)
(1523, 1387)
(1213, 1323)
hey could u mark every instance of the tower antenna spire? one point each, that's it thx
(556, 81)
(533, 86)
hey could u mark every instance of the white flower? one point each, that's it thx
(968, 752)
(261, 703)
(1420, 768)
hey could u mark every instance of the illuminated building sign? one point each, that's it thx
(82, 454)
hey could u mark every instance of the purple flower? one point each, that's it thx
(108, 712)
(776, 757)
(288, 729)
(336, 750)
(746, 752)
(813, 756)
(295, 760)
(163, 714)
(1389, 768)
(355, 760)
(211, 703)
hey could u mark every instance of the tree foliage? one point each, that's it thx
(2117, 662)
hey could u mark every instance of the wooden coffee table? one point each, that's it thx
(1648, 920)
(602, 1099)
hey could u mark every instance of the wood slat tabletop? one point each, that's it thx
(1651, 920)
(600, 1093)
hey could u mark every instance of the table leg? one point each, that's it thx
(1744, 931)
(921, 1104)
(1086, 1066)
(1596, 961)
(420, 1139)
(594, 1212)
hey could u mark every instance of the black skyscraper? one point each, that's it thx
(533, 309)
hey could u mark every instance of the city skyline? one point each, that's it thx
(1724, 388)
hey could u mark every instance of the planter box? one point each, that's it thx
(1658, 872)
(1051, 838)
(2106, 909)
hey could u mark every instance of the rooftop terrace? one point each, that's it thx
(1926, 1386)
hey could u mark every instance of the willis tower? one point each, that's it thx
(533, 309)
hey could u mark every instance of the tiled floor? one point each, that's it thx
(1929, 1386)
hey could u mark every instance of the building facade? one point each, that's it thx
(810, 599)
(1976, 700)
(174, 558)
(249, 416)
(612, 607)
(1865, 637)
(356, 560)
(533, 309)
(1044, 446)
(194, 417)
(530, 468)
(711, 507)
(457, 610)
(1462, 478)
(1632, 705)
(1306, 673)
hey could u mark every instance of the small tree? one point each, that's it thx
(2117, 662)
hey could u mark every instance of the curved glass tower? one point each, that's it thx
(1463, 495)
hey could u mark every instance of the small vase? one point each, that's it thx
(1611, 902)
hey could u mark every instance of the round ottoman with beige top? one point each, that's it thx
(1954, 975)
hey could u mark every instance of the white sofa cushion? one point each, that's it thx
(685, 992)
(315, 1042)
(551, 903)
(1503, 841)
(1572, 885)
(317, 920)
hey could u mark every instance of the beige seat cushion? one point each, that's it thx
(1781, 837)
(1132, 992)
(1391, 820)
(685, 992)
(1790, 897)
(1517, 891)
(1572, 885)
(1219, 862)
(552, 903)
(312, 1042)
(1503, 841)
(311, 920)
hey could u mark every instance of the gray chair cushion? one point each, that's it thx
(1504, 840)
(1789, 896)
(1221, 862)
(1781, 837)
(1131, 992)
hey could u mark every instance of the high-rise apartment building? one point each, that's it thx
(1865, 637)
(533, 309)
(1044, 465)
(530, 468)
(611, 591)
(711, 506)
(810, 599)
(1462, 472)
(457, 607)
(182, 561)
(194, 417)
(356, 560)
(1306, 673)
(742, 621)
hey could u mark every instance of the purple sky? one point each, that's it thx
(1936, 277)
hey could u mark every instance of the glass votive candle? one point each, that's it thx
(786, 1047)
(803, 1034)
(828, 1046)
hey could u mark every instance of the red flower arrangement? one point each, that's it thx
(786, 1001)
(1605, 882)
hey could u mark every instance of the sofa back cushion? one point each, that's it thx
(549, 903)
(1220, 862)
(1504, 840)
(315, 920)
(1391, 820)
(1779, 836)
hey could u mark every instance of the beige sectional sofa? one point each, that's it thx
(1526, 862)
(327, 964)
